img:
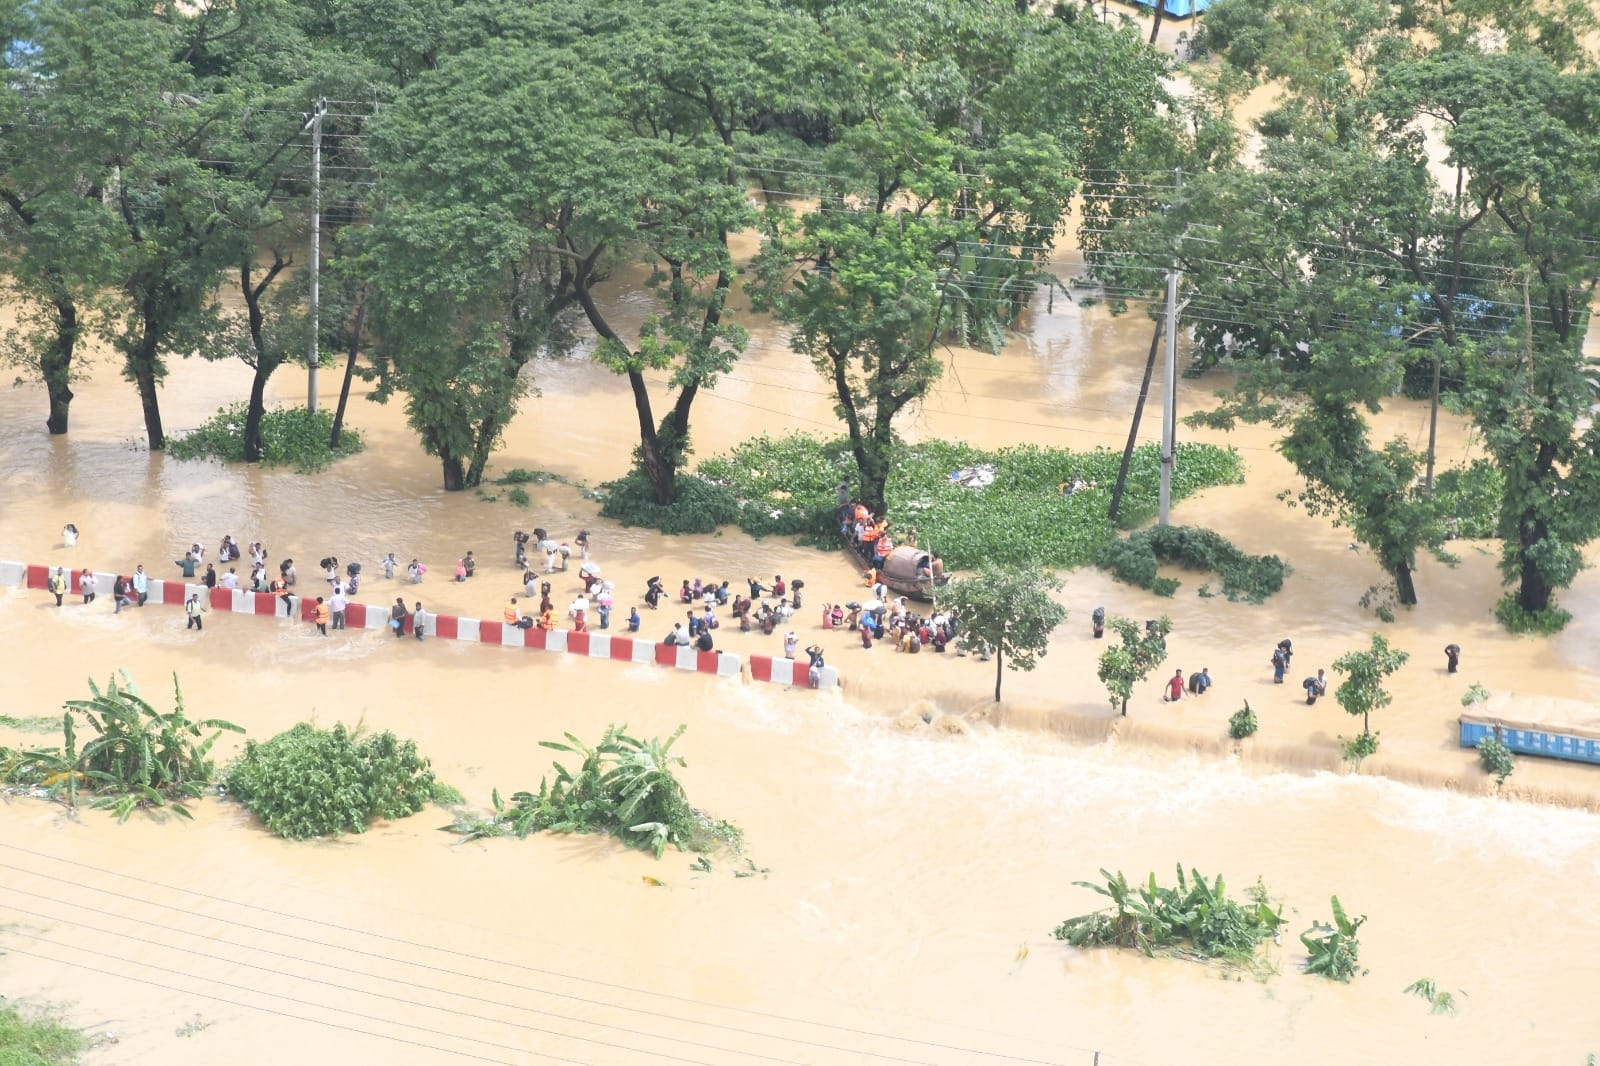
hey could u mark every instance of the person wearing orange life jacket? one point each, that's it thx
(320, 616)
(280, 589)
(885, 546)
(547, 620)
(515, 617)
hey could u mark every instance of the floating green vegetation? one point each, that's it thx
(1041, 506)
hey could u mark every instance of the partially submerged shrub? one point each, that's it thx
(290, 436)
(1333, 950)
(35, 1039)
(309, 782)
(1134, 559)
(700, 507)
(1193, 917)
(1496, 759)
(136, 757)
(1242, 723)
(624, 787)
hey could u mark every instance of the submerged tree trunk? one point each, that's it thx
(999, 657)
(349, 368)
(1405, 586)
(143, 369)
(55, 364)
(255, 411)
(455, 476)
(1534, 589)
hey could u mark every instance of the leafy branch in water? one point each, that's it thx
(1135, 559)
(137, 757)
(1194, 918)
(1334, 951)
(1243, 723)
(624, 787)
(1440, 1001)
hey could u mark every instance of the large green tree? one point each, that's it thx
(1011, 610)
(954, 133)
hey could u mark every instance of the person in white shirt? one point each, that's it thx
(230, 580)
(337, 603)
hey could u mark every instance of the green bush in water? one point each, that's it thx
(310, 782)
(1134, 560)
(290, 436)
(701, 506)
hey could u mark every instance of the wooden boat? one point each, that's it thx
(900, 570)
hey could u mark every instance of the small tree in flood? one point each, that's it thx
(1010, 609)
(1143, 649)
(1362, 691)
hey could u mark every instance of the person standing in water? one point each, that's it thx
(419, 620)
(1452, 657)
(1280, 663)
(320, 616)
(1174, 687)
(58, 584)
(86, 584)
(1315, 686)
(141, 585)
(193, 608)
(69, 535)
(397, 617)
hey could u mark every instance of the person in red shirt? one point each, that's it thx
(1174, 687)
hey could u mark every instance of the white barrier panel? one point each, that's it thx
(555, 640)
(688, 657)
(377, 617)
(599, 645)
(829, 678)
(13, 573)
(644, 651)
(729, 665)
(510, 636)
(782, 671)
(467, 629)
(243, 602)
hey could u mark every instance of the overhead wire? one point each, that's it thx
(167, 887)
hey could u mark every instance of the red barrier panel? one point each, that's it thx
(622, 648)
(444, 626)
(265, 603)
(355, 616)
(222, 599)
(536, 637)
(163, 591)
(489, 632)
(38, 577)
(666, 655)
(705, 662)
(760, 668)
(72, 583)
(578, 643)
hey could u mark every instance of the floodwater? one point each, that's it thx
(907, 874)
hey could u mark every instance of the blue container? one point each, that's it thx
(1550, 742)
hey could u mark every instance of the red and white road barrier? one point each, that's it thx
(592, 644)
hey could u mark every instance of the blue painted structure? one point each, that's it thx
(1575, 745)
(1179, 9)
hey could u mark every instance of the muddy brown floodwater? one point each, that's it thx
(914, 870)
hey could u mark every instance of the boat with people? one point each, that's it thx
(916, 573)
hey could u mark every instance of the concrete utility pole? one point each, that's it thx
(1169, 406)
(315, 122)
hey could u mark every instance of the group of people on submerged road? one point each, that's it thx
(767, 607)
